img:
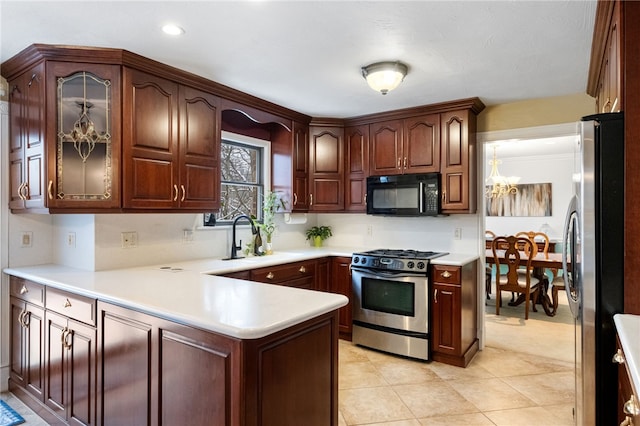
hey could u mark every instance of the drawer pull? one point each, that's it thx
(618, 357)
(184, 193)
(175, 192)
(302, 270)
(631, 407)
(24, 289)
(270, 275)
(435, 296)
(50, 190)
(67, 303)
(295, 199)
(446, 274)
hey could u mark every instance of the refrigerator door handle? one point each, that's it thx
(570, 259)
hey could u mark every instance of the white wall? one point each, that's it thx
(539, 169)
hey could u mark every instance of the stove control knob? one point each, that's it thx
(410, 265)
(421, 265)
(356, 259)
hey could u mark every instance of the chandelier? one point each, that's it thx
(498, 185)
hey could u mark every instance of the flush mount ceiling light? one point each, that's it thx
(172, 29)
(384, 76)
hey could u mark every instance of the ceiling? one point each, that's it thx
(307, 55)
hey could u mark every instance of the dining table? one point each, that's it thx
(539, 263)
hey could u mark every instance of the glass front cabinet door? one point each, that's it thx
(83, 108)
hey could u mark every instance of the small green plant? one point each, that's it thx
(323, 232)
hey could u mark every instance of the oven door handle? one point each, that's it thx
(385, 274)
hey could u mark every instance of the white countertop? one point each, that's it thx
(188, 293)
(628, 328)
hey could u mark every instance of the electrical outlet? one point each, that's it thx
(187, 236)
(370, 230)
(26, 239)
(457, 234)
(129, 239)
(71, 239)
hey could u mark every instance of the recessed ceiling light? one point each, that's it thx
(172, 29)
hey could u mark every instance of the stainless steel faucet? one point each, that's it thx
(234, 248)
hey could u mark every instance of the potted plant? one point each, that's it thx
(270, 205)
(318, 234)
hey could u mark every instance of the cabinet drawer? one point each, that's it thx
(27, 290)
(72, 305)
(446, 274)
(280, 273)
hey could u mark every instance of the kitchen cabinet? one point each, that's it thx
(147, 361)
(301, 199)
(609, 58)
(341, 284)
(83, 136)
(296, 274)
(454, 311)
(411, 145)
(323, 274)
(458, 162)
(356, 168)
(27, 128)
(628, 402)
(70, 356)
(171, 145)
(27, 336)
(64, 151)
(326, 168)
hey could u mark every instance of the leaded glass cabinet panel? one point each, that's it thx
(84, 165)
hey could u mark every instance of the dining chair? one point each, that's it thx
(488, 272)
(525, 284)
(557, 284)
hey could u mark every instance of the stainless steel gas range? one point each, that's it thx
(391, 300)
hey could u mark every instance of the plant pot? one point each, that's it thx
(317, 241)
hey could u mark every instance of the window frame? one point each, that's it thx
(264, 174)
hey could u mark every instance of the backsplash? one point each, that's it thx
(93, 242)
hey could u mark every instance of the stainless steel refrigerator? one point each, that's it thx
(594, 264)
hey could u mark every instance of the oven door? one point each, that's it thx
(395, 300)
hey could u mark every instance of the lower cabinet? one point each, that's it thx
(27, 347)
(454, 314)
(156, 372)
(296, 274)
(341, 283)
(628, 402)
(70, 354)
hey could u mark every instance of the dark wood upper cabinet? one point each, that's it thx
(458, 163)
(386, 147)
(27, 139)
(171, 145)
(326, 168)
(356, 168)
(421, 144)
(300, 195)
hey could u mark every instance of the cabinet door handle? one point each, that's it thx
(399, 160)
(310, 199)
(302, 270)
(295, 198)
(25, 193)
(446, 274)
(21, 318)
(50, 190)
(34, 77)
(435, 296)
(365, 199)
(183, 193)
(405, 162)
(24, 289)
(618, 357)
(20, 191)
(67, 303)
(26, 319)
(175, 192)
(270, 276)
(631, 407)
(444, 196)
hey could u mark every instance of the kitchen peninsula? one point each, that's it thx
(152, 344)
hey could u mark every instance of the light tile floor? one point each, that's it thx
(524, 376)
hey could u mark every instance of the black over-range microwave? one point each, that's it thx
(404, 195)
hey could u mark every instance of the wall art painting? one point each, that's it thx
(531, 199)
